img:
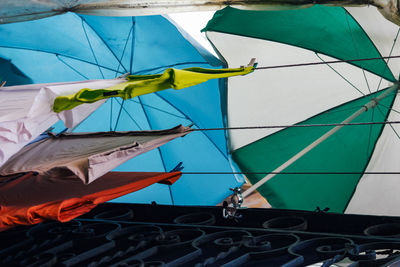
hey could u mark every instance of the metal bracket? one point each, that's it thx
(229, 211)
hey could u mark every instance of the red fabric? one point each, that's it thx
(31, 199)
(170, 180)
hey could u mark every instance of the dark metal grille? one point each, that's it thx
(156, 235)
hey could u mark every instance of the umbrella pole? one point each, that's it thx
(371, 104)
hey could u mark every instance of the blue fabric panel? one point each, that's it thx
(201, 104)
(116, 33)
(11, 74)
(42, 67)
(64, 35)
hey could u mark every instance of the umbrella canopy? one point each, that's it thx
(72, 47)
(348, 172)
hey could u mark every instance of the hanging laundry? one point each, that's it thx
(145, 84)
(64, 197)
(88, 155)
(26, 111)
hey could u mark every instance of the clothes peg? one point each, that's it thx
(252, 62)
(123, 75)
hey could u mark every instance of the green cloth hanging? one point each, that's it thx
(145, 84)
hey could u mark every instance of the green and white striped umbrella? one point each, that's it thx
(357, 168)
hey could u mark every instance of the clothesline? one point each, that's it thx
(288, 173)
(324, 63)
(296, 125)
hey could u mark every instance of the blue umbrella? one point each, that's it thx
(74, 47)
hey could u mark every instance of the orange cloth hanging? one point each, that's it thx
(31, 199)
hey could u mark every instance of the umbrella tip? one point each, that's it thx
(178, 167)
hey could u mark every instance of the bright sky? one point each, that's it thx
(193, 23)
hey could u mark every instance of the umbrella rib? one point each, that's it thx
(119, 114)
(370, 132)
(148, 121)
(111, 111)
(188, 118)
(129, 115)
(356, 48)
(337, 72)
(123, 51)
(58, 54)
(343, 109)
(72, 67)
(105, 43)
(158, 109)
(132, 44)
(159, 151)
(398, 112)
(91, 48)
(391, 126)
(390, 54)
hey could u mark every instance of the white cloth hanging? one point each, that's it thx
(26, 111)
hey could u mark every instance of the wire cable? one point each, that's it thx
(296, 126)
(323, 63)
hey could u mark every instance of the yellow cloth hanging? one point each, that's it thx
(145, 84)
